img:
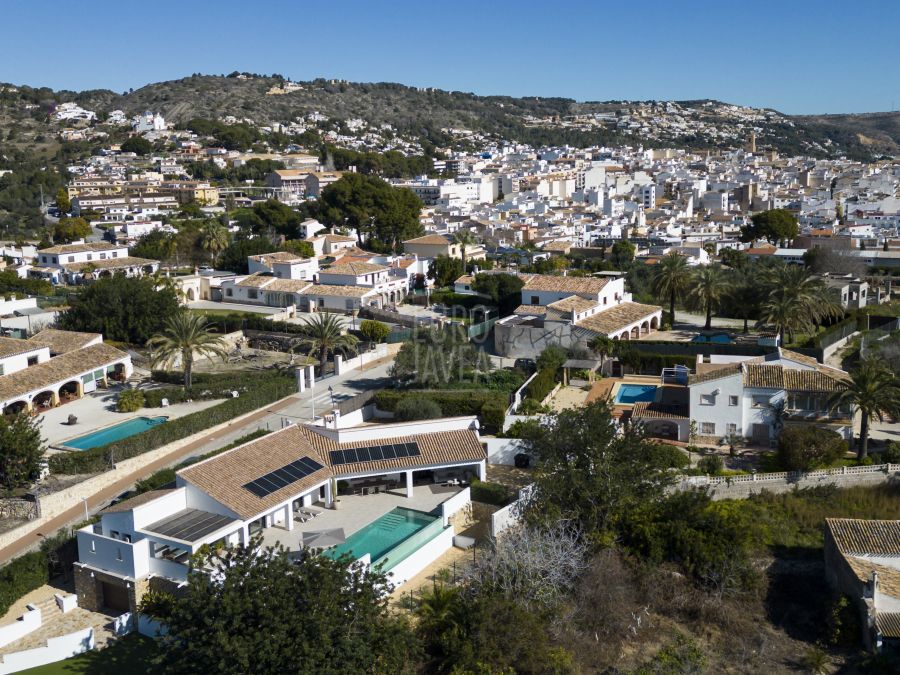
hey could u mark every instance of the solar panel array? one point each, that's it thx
(371, 453)
(190, 525)
(290, 473)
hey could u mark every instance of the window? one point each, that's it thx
(731, 429)
(708, 428)
(32, 360)
(732, 400)
(90, 256)
(229, 292)
(93, 546)
(535, 300)
(119, 554)
(252, 294)
(43, 258)
(71, 258)
(760, 401)
(115, 254)
(707, 399)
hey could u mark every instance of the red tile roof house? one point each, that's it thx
(403, 479)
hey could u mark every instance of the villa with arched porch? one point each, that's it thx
(80, 262)
(54, 367)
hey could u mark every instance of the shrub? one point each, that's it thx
(673, 457)
(490, 493)
(552, 358)
(891, 454)
(523, 429)
(256, 393)
(130, 400)
(374, 331)
(414, 408)
(452, 402)
(155, 481)
(807, 447)
(542, 384)
(22, 575)
(711, 464)
(532, 407)
(493, 414)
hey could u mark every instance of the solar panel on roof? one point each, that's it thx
(374, 453)
(279, 478)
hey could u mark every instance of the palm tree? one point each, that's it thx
(874, 390)
(708, 286)
(185, 335)
(744, 295)
(603, 346)
(796, 301)
(213, 238)
(325, 335)
(670, 278)
(464, 238)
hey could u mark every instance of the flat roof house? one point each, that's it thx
(268, 488)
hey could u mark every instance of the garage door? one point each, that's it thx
(115, 597)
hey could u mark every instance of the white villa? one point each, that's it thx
(749, 397)
(55, 366)
(280, 488)
(75, 263)
(570, 311)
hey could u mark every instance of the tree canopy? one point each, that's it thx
(445, 270)
(137, 145)
(68, 230)
(505, 290)
(21, 449)
(124, 309)
(382, 215)
(272, 614)
(775, 225)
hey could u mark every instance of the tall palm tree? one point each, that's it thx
(795, 301)
(185, 335)
(708, 286)
(670, 278)
(214, 238)
(325, 335)
(874, 390)
(464, 239)
(603, 346)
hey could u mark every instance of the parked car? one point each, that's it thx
(528, 365)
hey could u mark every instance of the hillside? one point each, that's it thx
(423, 113)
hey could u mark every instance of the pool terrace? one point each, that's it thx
(357, 511)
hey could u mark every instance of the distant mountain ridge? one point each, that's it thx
(424, 112)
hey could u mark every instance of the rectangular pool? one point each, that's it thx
(635, 393)
(382, 536)
(114, 433)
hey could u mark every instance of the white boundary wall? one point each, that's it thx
(503, 450)
(23, 625)
(455, 503)
(57, 649)
(508, 516)
(422, 558)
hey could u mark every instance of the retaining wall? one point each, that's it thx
(57, 649)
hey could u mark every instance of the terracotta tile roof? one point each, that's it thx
(560, 246)
(63, 341)
(255, 280)
(465, 279)
(337, 238)
(660, 411)
(354, 268)
(326, 290)
(799, 358)
(888, 577)
(110, 264)
(573, 303)
(14, 346)
(58, 369)
(580, 285)
(530, 310)
(778, 377)
(79, 248)
(856, 536)
(137, 500)
(888, 624)
(618, 317)
(223, 476)
(433, 239)
(289, 285)
(716, 374)
(278, 256)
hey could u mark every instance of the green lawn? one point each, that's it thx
(126, 656)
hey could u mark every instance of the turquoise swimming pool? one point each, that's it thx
(715, 338)
(382, 538)
(114, 433)
(635, 393)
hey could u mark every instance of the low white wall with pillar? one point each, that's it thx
(409, 484)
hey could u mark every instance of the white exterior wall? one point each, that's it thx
(113, 555)
(17, 362)
(721, 413)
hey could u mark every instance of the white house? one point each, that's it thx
(284, 265)
(74, 263)
(55, 366)
(264, 488)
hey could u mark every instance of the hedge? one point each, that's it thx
(542, 384)
(267, 390)
(453, 402)
(22, 575)
(490, 493)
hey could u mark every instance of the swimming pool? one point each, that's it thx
(114, 433)
(716, 338)
(635, 393)
(381, 538)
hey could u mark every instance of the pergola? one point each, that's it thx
(590, 365)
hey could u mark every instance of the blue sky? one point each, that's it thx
(798, 56)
